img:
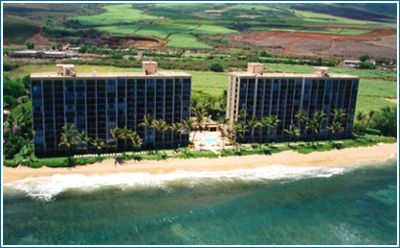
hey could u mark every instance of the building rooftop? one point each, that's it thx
(256, 70)
(288, 75)
(68, 71)
(111, 75)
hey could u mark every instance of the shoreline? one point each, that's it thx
(287, 158)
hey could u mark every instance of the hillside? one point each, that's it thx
(318, 29)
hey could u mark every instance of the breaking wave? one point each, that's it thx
(46, 188)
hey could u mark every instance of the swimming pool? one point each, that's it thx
(209, 138)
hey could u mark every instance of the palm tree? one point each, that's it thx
(302, 118)
(68, 139)
(83, 139)
(176, 128)
(223, 121)
(11, 121)
(292, 131)
(136, 140)
(161, 126)
(338, 114)
(99, 144)
(253, 123)
(360, 117)
(148, 123)
(242, 114)
(188, 125)
(117, 134)
(240, 128)
(313, 125)
(319, 115)
(266, 123)
(200, 112)
(335, 128)
(371, 114)
(273, 122)
(126, 134)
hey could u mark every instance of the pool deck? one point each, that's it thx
(204, 145)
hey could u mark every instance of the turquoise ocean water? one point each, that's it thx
(275, 205)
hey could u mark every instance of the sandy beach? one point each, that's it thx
(289, 158)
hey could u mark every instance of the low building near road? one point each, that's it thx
(40, 54)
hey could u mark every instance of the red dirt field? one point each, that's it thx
(302, 43)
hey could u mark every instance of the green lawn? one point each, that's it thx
(115, 14)
(379, 88)
(367, 103)
(17, 31)
(371, 93)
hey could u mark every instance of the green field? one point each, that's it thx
(249, 6)
(115, 14)
(333, 20)
(17, 31)
(376, 73)
(365, 103)
(180, 32)
(372, 92)
(312, 30)
(183, 40)
(378, 88)
(187, 7)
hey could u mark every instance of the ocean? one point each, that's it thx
(274, 205)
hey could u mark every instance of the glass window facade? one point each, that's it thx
(285, 97)
(97, 105)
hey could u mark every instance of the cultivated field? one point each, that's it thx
(178, 33)
(325, 30)
(18, 30)
(115, 14)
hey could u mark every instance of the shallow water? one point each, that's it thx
(274, 205)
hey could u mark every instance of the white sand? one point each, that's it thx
(287, 158)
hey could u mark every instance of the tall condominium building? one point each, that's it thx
(97, 102)
(262, 94)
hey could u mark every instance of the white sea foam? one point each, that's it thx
(45, 188)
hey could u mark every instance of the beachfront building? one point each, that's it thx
(259, 94)
(97, 102)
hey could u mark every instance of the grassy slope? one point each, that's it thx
(115, 14)
(333, 20)
(17, 31)
(180, 32)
